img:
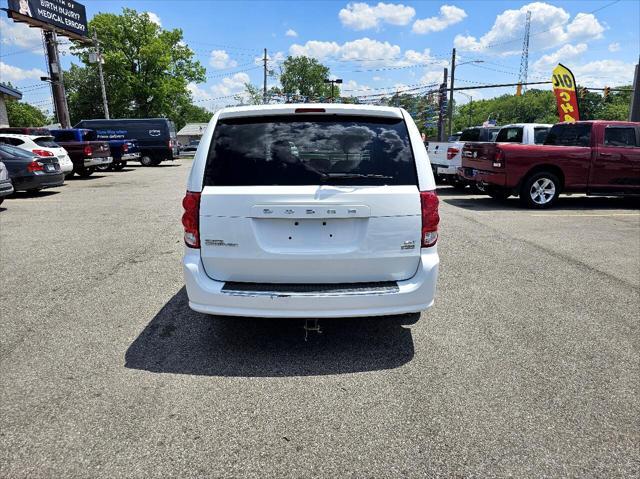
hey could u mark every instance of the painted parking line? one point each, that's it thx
(586, 214)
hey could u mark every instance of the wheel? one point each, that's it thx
(106, 167)
(146, 160)
(119, 165)
(540, 190)
(85, 172)
(69, 175)
(498, 193)
(1, 199)
(479, 188)
(156, 161)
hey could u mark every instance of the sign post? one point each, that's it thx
(54, 17)
(564, 89)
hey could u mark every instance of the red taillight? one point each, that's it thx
(125, 148)
(88, 150)
(35, 166)
(451, 152)
(170, 143)
(190, 219)
(498, 162)
(430, 218)
(42, 152)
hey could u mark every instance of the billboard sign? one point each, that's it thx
(564, 89)
(67, 16)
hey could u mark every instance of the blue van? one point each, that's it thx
(155, 137)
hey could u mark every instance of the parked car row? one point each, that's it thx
(37, 158)
(538, 162)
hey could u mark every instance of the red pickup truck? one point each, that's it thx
(593, 157)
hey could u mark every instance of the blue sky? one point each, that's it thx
(374, 47)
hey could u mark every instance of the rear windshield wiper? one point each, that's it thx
(357, 175)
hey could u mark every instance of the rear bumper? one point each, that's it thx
(447, 170)
(413, 295)
(6, 187)
(38, 181)
(130, 157)
(483, 176)
(105, 160)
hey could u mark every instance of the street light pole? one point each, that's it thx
(453, 69)
(333, 82)
(105, 105)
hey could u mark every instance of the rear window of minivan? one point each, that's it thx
(318, 149)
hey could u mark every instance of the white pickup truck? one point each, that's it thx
(446, 158)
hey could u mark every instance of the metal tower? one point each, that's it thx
(524, 60)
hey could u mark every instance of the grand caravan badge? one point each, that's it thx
(217, 242)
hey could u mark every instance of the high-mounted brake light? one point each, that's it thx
(42, 152)
(452, 152)
(125, 148)
(430, 218)
(88, 150)
(35, 166)
(191, 219)
(310, 110)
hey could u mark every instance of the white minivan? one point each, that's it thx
(311, 211)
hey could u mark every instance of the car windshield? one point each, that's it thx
(15, 152)
(290, 150)
(46, 142)
(512, 134)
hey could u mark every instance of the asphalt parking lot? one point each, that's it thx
(526, 366)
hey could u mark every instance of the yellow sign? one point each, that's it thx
(564, 89)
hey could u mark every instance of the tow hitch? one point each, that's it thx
(311, 325)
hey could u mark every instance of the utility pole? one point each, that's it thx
(105, 105)
(55, 75)
(453, 72)
(442, 98)
(264, 85)
(333, 82)
(634, 108)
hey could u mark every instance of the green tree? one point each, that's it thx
(253, 95)
(23, 114)
(303, 76)
(146, 68)
(190, 113)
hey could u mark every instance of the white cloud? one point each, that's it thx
(364, 50)
(361, 16)
(154, 18)
(20, 35)
(14, 74)
(449, 15)
(230, 85)
(220, 59)
(603, 73)
(614, 47)
(550, 27)
(291, 33)
(546, 63)
(353, 88)
(432, 76)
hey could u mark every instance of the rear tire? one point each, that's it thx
(156, 162)
(119, 166)
(69, 175)
(1, 199)
(106, 167)
(146, 160)
(540, 190)
(86, 172)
